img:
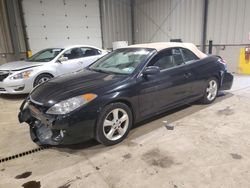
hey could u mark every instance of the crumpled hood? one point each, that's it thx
(74, 84)
(19, 65)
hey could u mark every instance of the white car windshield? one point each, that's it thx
(45, 55)
(121, 61)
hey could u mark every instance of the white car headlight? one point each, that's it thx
(71, 104)
(22, 75)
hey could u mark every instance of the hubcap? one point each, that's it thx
(43, 79)
(212, 90)
(115, 124)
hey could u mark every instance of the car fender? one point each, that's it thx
(131, 102)
(43, 70)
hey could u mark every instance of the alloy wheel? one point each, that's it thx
(42, 80)
(115, 124)
(212, 90)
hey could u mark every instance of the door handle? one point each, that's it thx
(187, 75)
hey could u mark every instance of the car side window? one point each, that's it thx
(73, 53)
(188, 55)
(168, 59)
(177, 57)
(89, 51)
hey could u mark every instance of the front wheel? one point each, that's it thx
(211, 91)
(42, 78)
(113, 124)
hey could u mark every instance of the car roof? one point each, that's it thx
(158, 46)
(76, 46)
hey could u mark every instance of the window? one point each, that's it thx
(177, 57)
(89, 52)
(45, 55)
(121, 61)
(73, 53)
(188, 55)
(168, 59)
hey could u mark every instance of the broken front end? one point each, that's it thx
(46, 129)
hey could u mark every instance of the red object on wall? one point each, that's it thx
(247, 54)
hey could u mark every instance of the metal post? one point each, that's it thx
(101, 4)
(204, 25)
(210, 47)
(132, 6)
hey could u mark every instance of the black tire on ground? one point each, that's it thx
(121, 129)
(207, 99)
(42, 78)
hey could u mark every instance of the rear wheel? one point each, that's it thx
(42, 78)
(211, 91)
(114, 124)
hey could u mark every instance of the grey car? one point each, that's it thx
(22, 76)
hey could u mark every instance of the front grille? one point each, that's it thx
(3, 75)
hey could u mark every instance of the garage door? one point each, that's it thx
(52, 23)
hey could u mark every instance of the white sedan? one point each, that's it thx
(22, 76)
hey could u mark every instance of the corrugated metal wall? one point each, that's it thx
(19, 27)
(228, 24)
(12, 44)
(116, 21)
(229, 28)
(228, 21)
(162, 20)
(5, 44)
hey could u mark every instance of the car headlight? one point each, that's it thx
(22, 75)
(71, 104)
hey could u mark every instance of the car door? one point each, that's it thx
(169, 87)
(72, 63)
(193, 65)
(89, 55)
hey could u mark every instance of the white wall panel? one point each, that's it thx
(62, 22)
(162, 20)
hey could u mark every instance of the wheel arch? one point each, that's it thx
(41, 73)
(126, 102)
(218, 76)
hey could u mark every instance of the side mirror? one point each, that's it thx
(151, 70)
(61, 59)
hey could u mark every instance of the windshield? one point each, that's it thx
(121, 61)
(45, 55)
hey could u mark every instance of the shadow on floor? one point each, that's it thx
(13, 97)
(140, 129)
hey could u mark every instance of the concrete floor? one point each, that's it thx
(209, 147)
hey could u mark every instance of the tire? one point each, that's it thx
(116, 129)
(42, 78)
(211, 91)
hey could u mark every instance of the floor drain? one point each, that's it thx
(23, 154)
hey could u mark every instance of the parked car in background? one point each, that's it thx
(22, 76)
(126, 86)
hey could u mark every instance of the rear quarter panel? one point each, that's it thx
(204, 69)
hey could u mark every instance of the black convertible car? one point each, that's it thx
(126, 86)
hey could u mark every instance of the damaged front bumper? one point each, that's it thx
(47, 129)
